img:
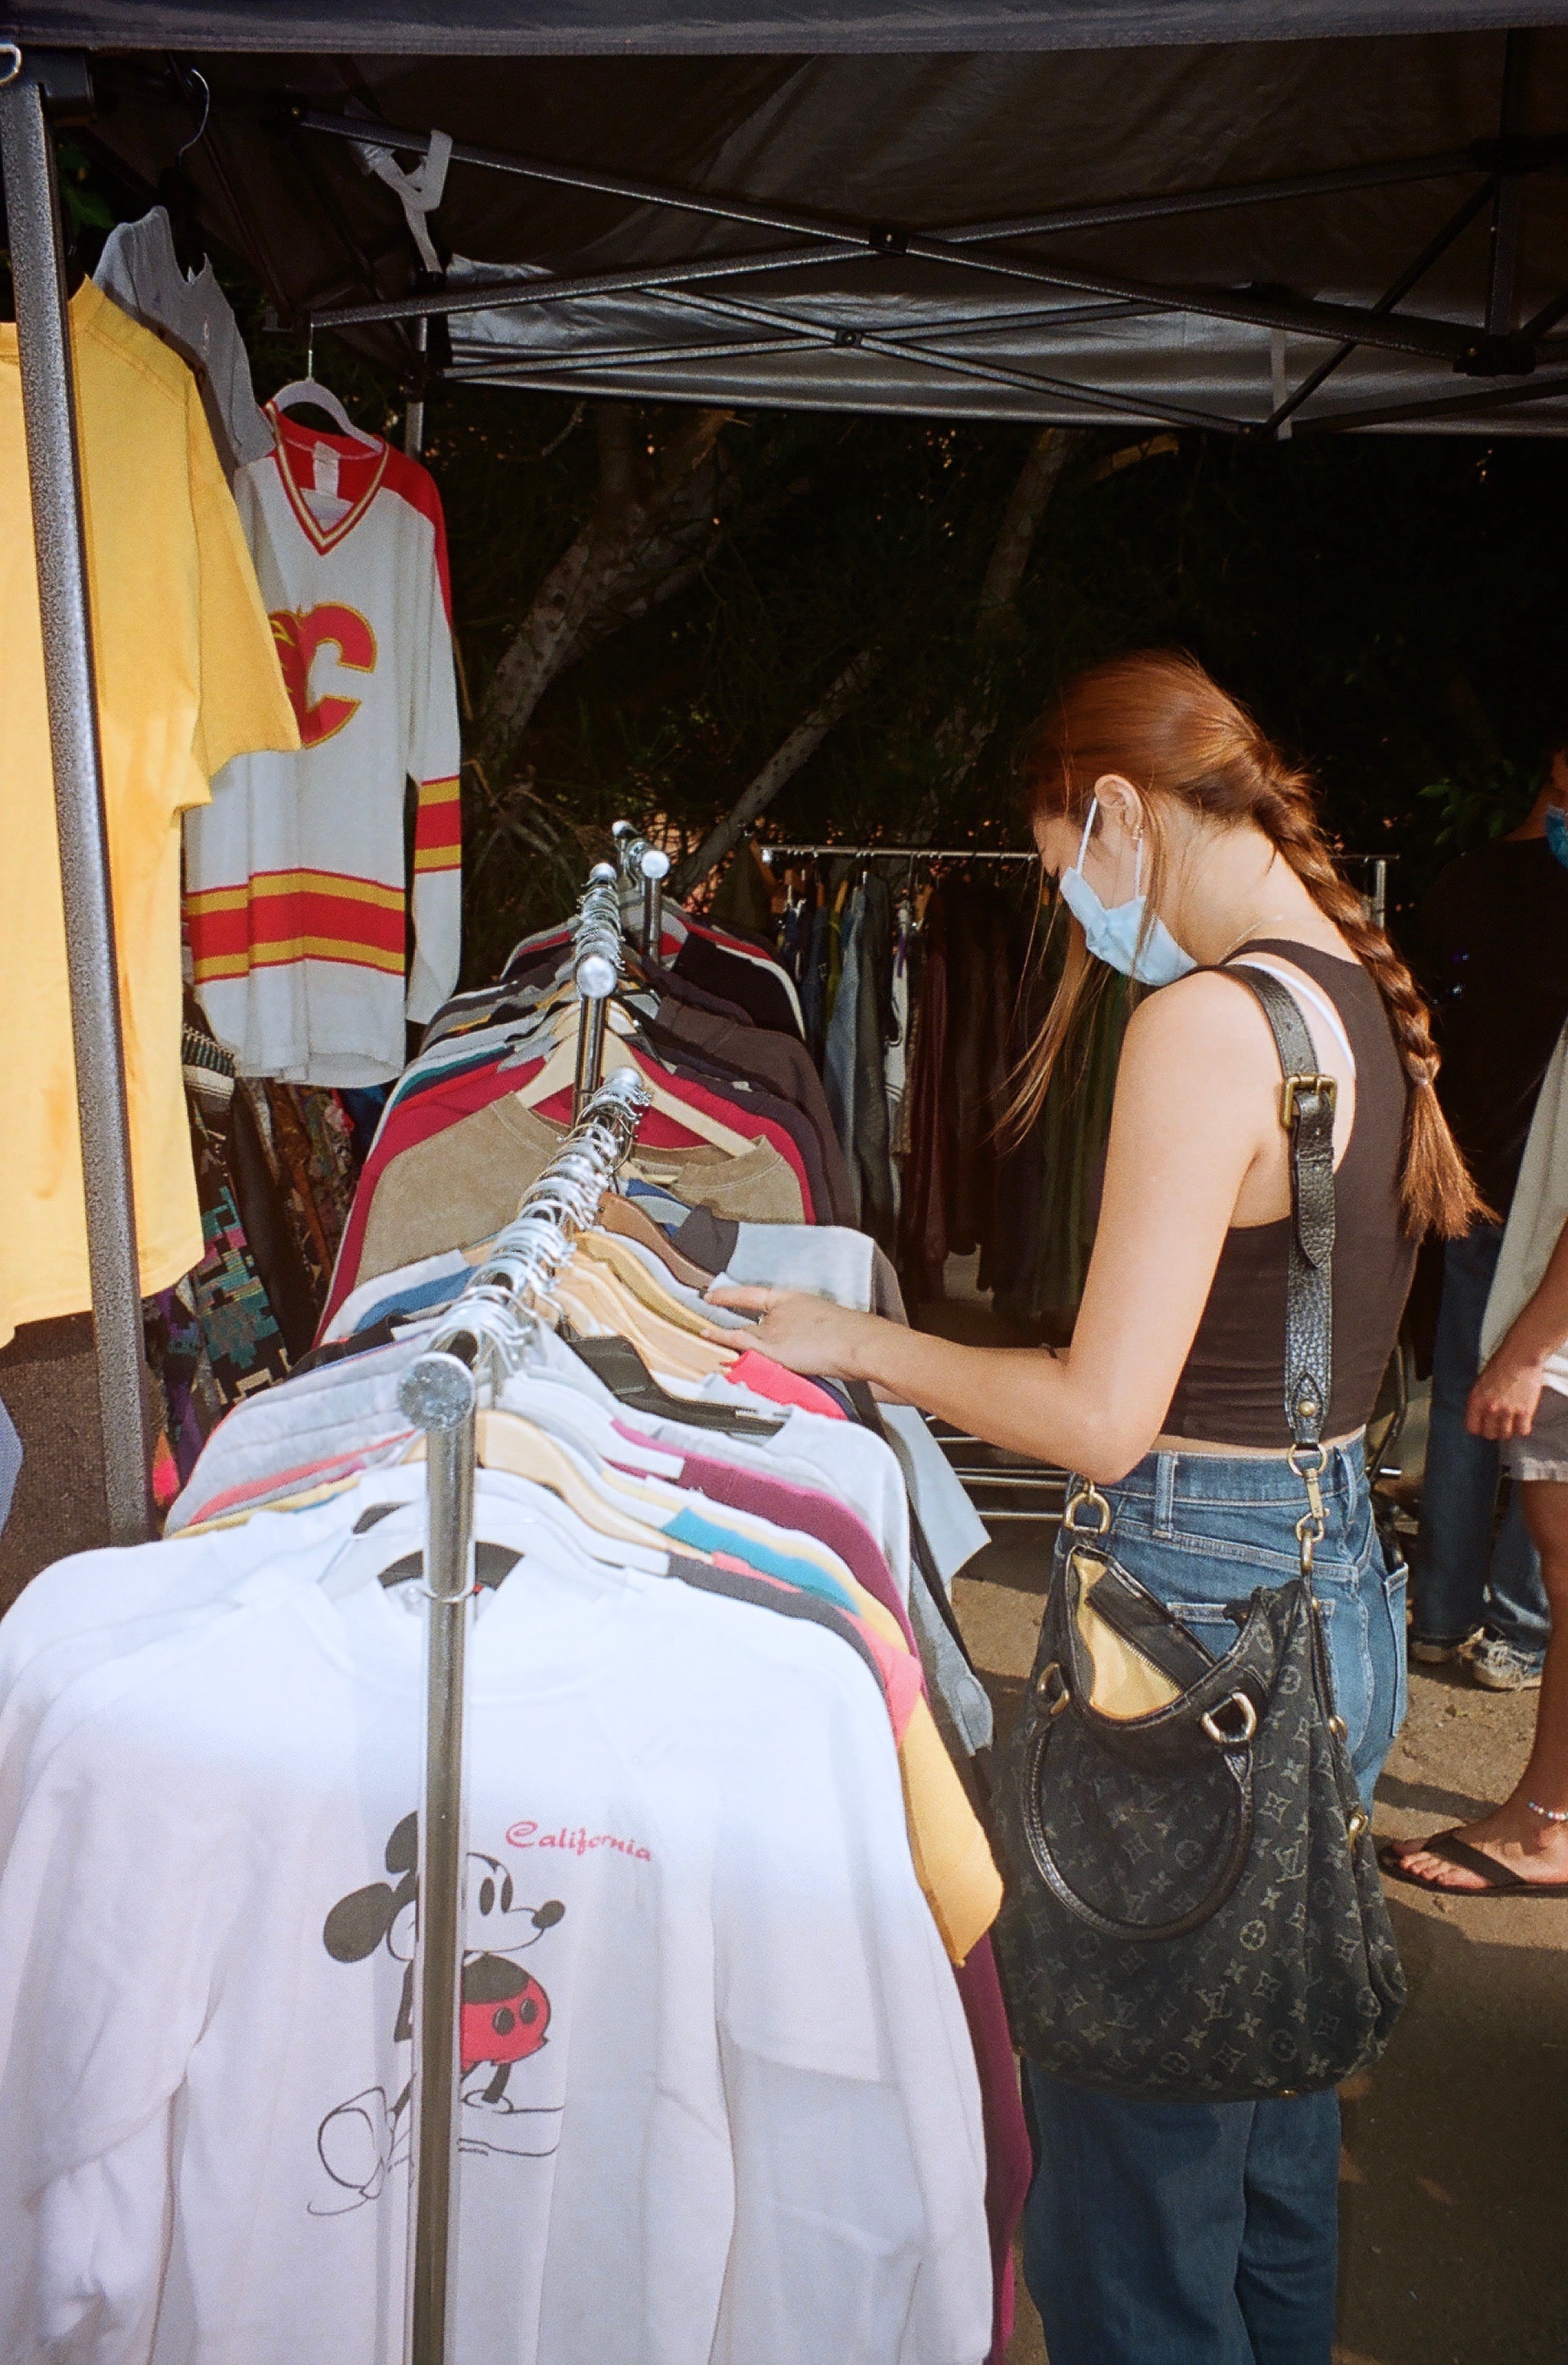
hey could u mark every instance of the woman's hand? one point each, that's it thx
(1503, 1401)
(806, 1334)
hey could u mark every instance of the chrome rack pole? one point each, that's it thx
(596, 971)
(438, 1394)
(655, 870)
(49, 414)
(647, 867)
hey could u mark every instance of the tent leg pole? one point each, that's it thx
(49, 412)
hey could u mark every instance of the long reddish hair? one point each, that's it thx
(1155, 719)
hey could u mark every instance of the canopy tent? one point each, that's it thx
(1331, 232)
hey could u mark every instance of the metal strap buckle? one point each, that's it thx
(1327, 1088)
(1310, 1475)
(1051, 1689)
(1088, 1494)
(1248, 1724)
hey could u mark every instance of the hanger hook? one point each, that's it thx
(310, 349)
(196, 75)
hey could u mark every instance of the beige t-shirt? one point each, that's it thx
(188, 676)
(465, 1181)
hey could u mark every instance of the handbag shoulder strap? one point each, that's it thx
(1307, 1111)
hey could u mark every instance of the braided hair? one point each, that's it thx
(1157, 720)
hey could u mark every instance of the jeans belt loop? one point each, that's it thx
(1164, 1495)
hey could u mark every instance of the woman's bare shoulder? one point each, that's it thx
(1207, 1015)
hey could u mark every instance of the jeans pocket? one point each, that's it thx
(1209, 1622)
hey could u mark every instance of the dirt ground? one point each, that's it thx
(1454, 2179)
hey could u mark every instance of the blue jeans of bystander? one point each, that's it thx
(1460, 1575)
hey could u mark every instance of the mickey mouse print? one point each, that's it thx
(505, 2021)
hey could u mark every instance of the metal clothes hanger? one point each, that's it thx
(175, 191)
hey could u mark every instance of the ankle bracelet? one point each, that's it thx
(1547, 1814)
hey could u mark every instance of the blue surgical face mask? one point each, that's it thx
(1114, 936)
(1557, 832)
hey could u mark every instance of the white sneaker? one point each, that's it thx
(1498, 1667)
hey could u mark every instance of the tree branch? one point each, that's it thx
(646, 520)
(961, 738)
(1021, 520)
(781, 767)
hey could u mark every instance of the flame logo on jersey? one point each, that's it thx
(299, 635)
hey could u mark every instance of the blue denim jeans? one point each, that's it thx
(1460, 1574)
(1207, 2234)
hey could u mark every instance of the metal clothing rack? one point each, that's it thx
(483, 1336)
(596, 973)
(49, 417)
(905, 853)
(646, 867)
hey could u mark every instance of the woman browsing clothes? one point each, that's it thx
(1208, 1476)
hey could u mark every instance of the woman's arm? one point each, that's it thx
(1196, 1106)
(1503, 1401)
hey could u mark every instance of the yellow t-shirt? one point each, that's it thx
(188, 676)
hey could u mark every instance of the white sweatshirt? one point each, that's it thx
(719, 2102)
(296, 896)
(1536, 1218)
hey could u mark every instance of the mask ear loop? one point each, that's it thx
(1083, 841)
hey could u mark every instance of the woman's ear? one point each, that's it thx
(1121, 803)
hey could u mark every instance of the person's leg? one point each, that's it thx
(1518, 1618)
(1133, 2228)
(1286, 2277)
(1454, 1556)
(1528, 1845)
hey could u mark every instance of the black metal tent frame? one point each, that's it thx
(1500, 168)
(1509, 367)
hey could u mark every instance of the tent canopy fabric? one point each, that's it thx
(716, 28)
(1324, 232)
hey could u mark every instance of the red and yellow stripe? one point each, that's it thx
(438, 827)
(279, 916)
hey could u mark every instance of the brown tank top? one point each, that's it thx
(1231, 1391)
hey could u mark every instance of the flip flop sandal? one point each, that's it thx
(1499, 1880)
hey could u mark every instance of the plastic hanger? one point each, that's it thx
(617, 1366)
(309, 388)
(509, 1520)
(506, 1441)
(602, 1248)
(559, 1074)
(596, 1300)
(624, 1215)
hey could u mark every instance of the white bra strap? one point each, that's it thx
(1296, 984)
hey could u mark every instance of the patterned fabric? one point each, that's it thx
(296, 1163)
(191, 1405)
(331, 1163)
(243, 1343)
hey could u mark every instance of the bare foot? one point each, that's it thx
(1526, 1845)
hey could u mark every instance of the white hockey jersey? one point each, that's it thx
(296, 900)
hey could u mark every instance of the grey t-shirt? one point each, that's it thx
(140, 269)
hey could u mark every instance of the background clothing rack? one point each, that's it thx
(906, 853)
(482, 1335)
